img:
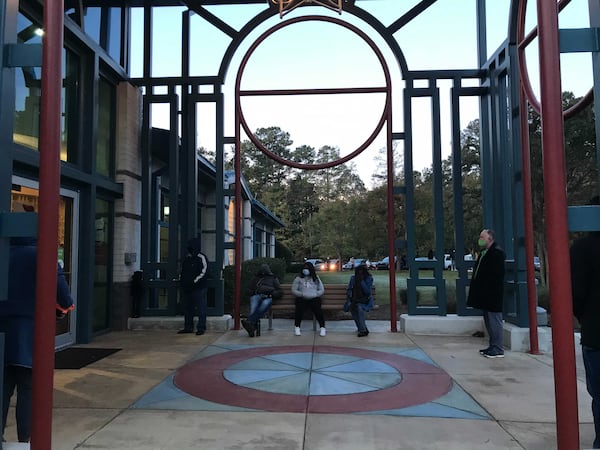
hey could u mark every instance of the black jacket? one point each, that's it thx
(585, 285)
(265, 282)
(194, 267)
(486, 290)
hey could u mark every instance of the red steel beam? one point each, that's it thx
(528, 219)
(567, 421)
(45, 294)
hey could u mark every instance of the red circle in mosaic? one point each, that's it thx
(421, 383)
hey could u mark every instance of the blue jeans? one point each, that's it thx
(591, 361)
(20, 378)
(358, 314)
(193, 300)
(493, 325)
(259, 305)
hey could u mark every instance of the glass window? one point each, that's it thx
(106, 128)
(103, 25)
(69, 124)
(91, 22)
(28, 91)
(113, 46)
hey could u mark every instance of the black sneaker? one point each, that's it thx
(200, 332)
(248, 327)
(184, 331)
(483, 350)
(493, 354)
(363, 333)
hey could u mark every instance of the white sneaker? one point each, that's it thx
(297, 331)
(323, 331)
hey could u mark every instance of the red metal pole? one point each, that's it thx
(528, 217)
(45, 295)
(567, 421)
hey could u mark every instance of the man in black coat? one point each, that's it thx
(585, 276)
(486, 291)
(194, 287)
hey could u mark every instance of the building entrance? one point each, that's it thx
(26, 192)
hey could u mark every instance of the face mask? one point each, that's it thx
(482, 242)
(305, 272)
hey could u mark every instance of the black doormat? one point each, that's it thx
(78, 357)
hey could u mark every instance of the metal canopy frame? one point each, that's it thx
(502, 166)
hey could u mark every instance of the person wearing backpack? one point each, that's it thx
(193, 287)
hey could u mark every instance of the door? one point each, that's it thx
(26, 192)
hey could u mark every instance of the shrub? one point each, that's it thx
(429, 298)
(295, 267)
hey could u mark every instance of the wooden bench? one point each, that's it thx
(333, 300)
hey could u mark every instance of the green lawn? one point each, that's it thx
(382, 282)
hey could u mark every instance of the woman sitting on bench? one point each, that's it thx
(263, 288)
(308, 289)
(359, 298)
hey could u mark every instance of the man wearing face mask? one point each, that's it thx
(486, 291)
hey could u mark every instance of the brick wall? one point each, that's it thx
(127, 243)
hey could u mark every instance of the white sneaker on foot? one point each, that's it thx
(323, 331)
(297, 331)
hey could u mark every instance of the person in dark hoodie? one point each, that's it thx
(262, 289)
(585, 273)
(193, 287)
(16, 321)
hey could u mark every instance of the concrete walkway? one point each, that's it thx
(279, 391)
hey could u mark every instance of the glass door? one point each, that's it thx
(25, 192)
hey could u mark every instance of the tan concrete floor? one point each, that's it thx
(93, 405)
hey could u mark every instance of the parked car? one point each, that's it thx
(447, 260)
(333, 265)
(354, 263)
(316, 262)
(384, 264)
(536, 263)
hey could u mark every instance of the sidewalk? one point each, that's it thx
(279, 391)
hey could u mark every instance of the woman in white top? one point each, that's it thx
(308, 289)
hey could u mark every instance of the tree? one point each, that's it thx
(260, 171)
(581, 168)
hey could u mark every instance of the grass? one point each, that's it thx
(381, 281)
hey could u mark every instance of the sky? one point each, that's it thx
(321, 55)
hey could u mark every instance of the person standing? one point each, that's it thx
(486, 291)
(193, 287)
(585, 273)
(263, 289)
(359, 297)
(308, 290)
(16, 321)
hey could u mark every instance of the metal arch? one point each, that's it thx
(523, 41)
(386, 90)
(383, 31)
(240, 123)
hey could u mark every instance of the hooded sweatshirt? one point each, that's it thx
(194, 267)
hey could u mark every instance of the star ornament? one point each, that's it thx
(286, 6)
